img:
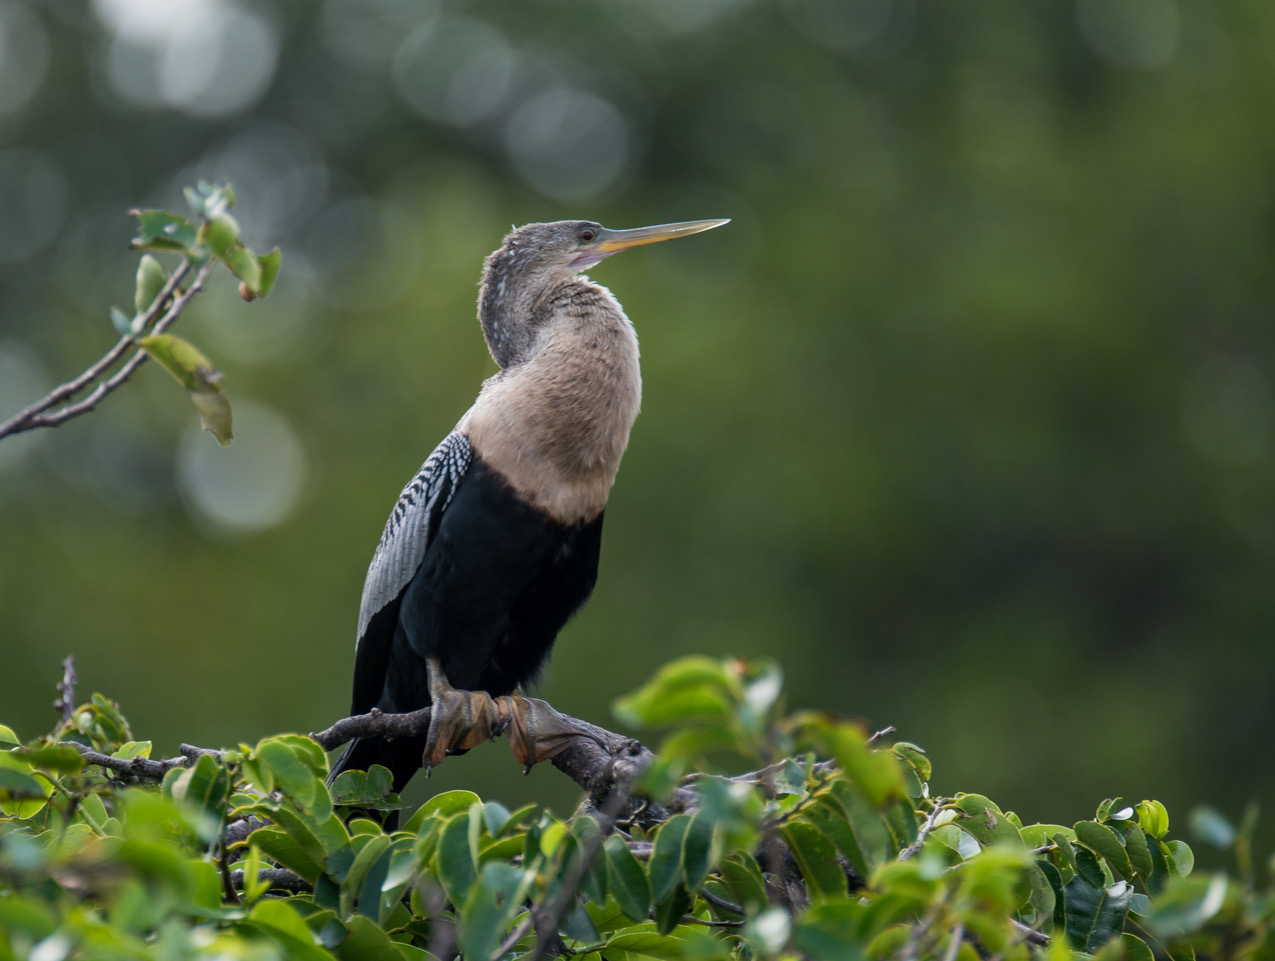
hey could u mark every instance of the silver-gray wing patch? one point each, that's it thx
(413, 524)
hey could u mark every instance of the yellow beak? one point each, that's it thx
(609, 241)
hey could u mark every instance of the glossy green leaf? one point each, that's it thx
(697, 850)
(358, 788)
(454, 860)
(150, 280)
(1154, 818)
(1095, 915)
(279, 921)
(816, 858)
(1212, 826)
(1180, 857)
(1104, 841)
(281, 846)
(665, 865)
(830, 817)
(124, 324)
(7, 736)
(55, 758)
(163, 230)
(743, 877)
(986, 822)
(670, 910)
(626, 881)
(195, 372)
(489, 911)
(366, 941)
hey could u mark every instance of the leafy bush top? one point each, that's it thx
(832, 849)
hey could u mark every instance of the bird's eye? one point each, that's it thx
(587, 235)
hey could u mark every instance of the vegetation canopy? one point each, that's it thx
(834, 846)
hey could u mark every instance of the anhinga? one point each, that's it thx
(493, 545)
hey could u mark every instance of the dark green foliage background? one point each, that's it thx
(966, 418)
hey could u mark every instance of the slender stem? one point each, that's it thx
(33, 416)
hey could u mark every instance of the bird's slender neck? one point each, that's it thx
(506, 304)
(557, 421)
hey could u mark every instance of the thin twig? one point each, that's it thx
(66, 690)
(720, 902)
(884, 732)
(33, 416)
(911, 850)
(141, 768)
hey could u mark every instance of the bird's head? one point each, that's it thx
(537, 258)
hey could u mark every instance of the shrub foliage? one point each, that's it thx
(831, 847)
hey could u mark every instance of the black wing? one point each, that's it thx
(410, 530)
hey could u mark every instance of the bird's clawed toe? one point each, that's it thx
(459, 720)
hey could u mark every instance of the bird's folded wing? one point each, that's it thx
(413, 524)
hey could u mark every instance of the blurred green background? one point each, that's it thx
(966, 417)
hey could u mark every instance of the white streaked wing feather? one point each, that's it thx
(412, 523)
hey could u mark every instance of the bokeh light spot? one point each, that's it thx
(1228, 411)
(1138, 34)
(839, 24)
(207, 59)
(22, 380)
(33, 203)
(24, 57)
(251, 485)
(456, 71)
(569, 144)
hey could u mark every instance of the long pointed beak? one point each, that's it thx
(611, 241)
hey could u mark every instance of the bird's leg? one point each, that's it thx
(458, 719)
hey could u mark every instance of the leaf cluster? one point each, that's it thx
(212, 237)
(833, 848)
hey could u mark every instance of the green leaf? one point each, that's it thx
(269, 264)
(124, 324)
(163, 230)
(1095, 915)
(986, 822)
(194, 372)
(689, 689)
(281, 846)
(1211, 826)
(488, 912)
(441, 805)
(830, 817)
(665, 866)
(1135, 845)
(697, 850)
(7, 736)
(867, 824)
(1154, 818)
(454, 860)
(357, 788)
(626, 881)
(1180, 857)
(744, 879)
(352, 882)
(1105, 842)
(205, 786)
(151, 279)
(817, 860)
(17, 786)
(366, 941)
(58, 758)
(670, 910)
(282, 924)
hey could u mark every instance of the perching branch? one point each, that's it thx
(35, 414)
